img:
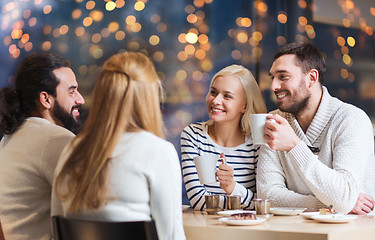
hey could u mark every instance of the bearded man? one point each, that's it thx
(34, 118)
(320, 150)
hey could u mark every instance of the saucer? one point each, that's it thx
(287, 211)
(229, 221)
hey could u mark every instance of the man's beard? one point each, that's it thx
(67, 119)
(296, 107)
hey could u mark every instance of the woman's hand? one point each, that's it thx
(225, 176)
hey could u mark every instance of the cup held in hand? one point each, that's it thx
(257, 122)
(206, 168)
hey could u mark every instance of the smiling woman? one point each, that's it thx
(232, 97)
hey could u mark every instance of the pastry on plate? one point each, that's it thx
(243, 216)
(327, 211)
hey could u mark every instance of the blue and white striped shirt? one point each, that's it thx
(195, 141)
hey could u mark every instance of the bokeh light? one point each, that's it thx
(139, 6)
(76, 13)
(351, 41)
(47, 9)
(191, 37)
(97, 16)
(110, 6)
(154, 40)
(90, 5)
(87, 21)
(242, 37)
(346, 59)
(340, 41)
(120, 35)
(282, 18)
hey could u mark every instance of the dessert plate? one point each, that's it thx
(308, 215)
(287, 211)
(334, 218)
(229, 221)
(229, 213)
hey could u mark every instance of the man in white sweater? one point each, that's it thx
(320, 150)
(31, 117)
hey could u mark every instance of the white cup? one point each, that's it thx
(206, 168)
(257, 122)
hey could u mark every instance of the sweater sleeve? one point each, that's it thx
(352, 149)
(271, 183)
(165, 193)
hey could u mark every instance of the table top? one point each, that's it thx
(200, 225)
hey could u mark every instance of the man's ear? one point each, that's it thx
(46, 100)
(313, 77)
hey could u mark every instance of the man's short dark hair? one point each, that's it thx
(34, 75)
(307, 57)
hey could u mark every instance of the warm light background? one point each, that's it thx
(189, 40)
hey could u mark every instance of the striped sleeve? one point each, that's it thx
(243, 159)
(189, 150)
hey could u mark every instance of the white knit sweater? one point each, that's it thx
(343, 167)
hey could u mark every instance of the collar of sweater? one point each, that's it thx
(326, 110)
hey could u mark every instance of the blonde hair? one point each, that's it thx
(125, 99)
(254, 100)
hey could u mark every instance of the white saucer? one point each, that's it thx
(229, 221)
(287, 211)
(334, 218)
(308, 215)
(228, 213)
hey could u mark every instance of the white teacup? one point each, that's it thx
(257, 122)
(206, 168)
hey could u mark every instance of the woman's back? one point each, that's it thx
(143, 182)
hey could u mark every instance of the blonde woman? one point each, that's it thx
(120, 168)
(233, 95)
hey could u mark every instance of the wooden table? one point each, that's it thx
(201, 226)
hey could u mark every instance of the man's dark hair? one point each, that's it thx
(34, 75)
(307, 57)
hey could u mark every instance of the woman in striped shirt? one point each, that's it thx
(233, 95)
